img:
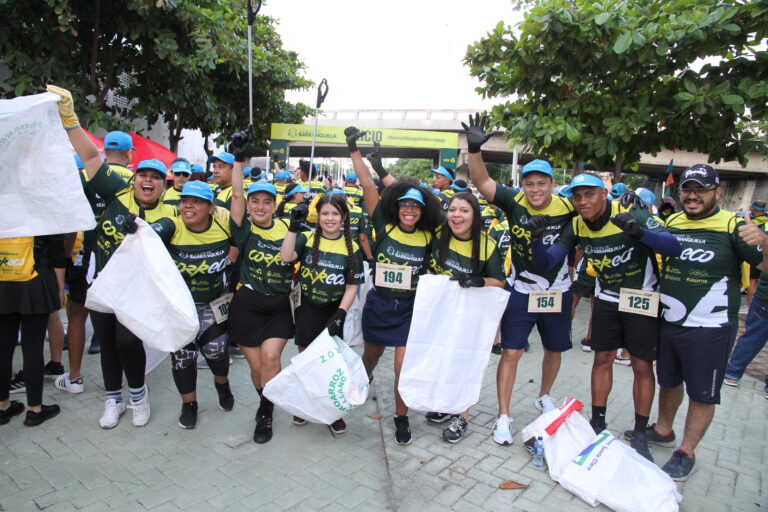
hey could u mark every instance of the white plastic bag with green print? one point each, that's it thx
(323, 383)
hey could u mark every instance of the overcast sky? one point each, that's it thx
(393, 54)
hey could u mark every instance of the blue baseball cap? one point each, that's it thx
(414, 194)
(152, 164)
(118, 140)
(197, 189)
(246, 172)
(283, 175)
(181, 166)
(336, 191)
(351, 176)
(443, 172)
(263, 186)
(227, 158)
(582, 180)
(541, 166)
(197, 168)
(646, 196)
(294, 188)
(459, 185)
(79, 162)
(617, 190)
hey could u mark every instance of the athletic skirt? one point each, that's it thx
(386, 322)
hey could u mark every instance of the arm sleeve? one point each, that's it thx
(661, 242)
(107, 183)
(165, 229)
(544, 258)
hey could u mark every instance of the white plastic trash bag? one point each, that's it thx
(321, 384)
(449, 344)
(35, 153)
(353, 324)
(141, 285)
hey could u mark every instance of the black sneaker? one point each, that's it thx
(53, 369)
(188, 416)
(14, 409)
(299, 421)
(338, 427)
(597, 428)
(226, 399)
(639, 443)
(402, 430)
(496, 349)
(679, 466)
(586, 345)
(667, 441)
(263, 432)
(17, 383)
(46, 412)
(438, 417)
(455, 431)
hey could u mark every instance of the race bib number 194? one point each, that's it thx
(393, 276)
(640, 302)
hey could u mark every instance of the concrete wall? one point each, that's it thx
(738, 192)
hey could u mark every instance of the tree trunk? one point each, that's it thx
(618, 168)
(174, 134)
(208, 151)
(577, 167)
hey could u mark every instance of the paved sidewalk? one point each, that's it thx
(70, 464)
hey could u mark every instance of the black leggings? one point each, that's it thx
(32, 341)
(121, 351)
(212, 343)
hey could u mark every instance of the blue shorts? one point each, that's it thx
(554, 328)
(386, 322)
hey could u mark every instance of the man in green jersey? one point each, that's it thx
(181, 170)
(223, 164)
(619, 243)
(118, 147)
(700, 294)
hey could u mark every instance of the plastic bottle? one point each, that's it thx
(538, 453)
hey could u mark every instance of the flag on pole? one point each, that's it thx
(666, 188)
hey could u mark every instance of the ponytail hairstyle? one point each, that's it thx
(431, 212)
(280, 212)
(476, 231)
(339, 202)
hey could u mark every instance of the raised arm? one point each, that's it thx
(84, 146)
(238, 146)
(370, 192)
(476, 137)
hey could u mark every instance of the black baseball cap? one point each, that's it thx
(703, 174)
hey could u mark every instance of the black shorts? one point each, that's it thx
(254, 317)
(311, 320)
(386, 322)
(76, 281)
(697, 356)
(613, 329)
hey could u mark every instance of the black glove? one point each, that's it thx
(353, 134)
(239, 142)
(627, 223)
(298, 215)
(476, 135)
(538, 224)
(469, 281)
(374, 157)
(336, 323)
(129, 224)
(629, 198)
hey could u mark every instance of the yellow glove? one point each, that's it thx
(66, 107)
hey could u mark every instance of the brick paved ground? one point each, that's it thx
(70, 464)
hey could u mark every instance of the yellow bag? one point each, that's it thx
(17, 259)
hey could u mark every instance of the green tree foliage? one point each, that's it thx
(185, 62)
(419, 168)
(604, 81)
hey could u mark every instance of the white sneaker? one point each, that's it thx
(112, 412)
(502, 430)
(544, 403)
(62, 382)
(141, 411)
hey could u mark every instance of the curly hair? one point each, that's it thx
(340, 203)
(476, 231)
(431, 212)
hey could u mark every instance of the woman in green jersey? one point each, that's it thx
(294, 194)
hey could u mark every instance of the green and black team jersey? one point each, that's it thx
(315, 188)
(356, 222)
(354, 195)
(700, 288)
(445, 196)
(262, 269)
(396, 246)
(224, 197)
(762, 287)
(619, 260)
(326, 283)
(760, 220)
(201, 257)
(501, 236)
(526, 277)
(121, 171)
(120, 201)
(458, 261)
(171, 197)
(488, 215)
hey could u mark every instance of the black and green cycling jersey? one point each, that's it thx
(761, 292)
(315, 188)
(700, 288)
(356, 222)
(488, 215)
(262, 269)
(619, 260)
(120, 201)
(325, 283)
(354, 195)
(171, 197)
(445, 196)
(526, 277)
(122, 171)
(396, 246)
(201, 257)
(458, 261)
(224, 197)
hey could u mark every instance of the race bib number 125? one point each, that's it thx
(640, 302)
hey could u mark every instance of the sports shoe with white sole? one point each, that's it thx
(63, 383)
(112, 412)
(141, 411)
(544, 403)
(502, 430)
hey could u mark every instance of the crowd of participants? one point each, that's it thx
(238, 231)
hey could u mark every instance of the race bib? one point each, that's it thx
(548, 301)
(393, 276)
(294, 297)
(640, 302)
(220, 307)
